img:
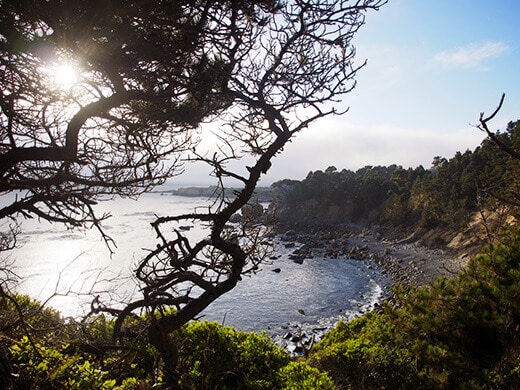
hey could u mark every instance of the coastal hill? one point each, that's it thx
(459, 203)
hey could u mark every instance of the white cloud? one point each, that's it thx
(471, 56)
(345, 145)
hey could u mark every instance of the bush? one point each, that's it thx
(39, 367)
(49, 352)
(215, 356)
(299, 375)
(458, 332)
(40, 349)
(43, 321)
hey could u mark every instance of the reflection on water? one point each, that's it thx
(53, 259)
(318, 293)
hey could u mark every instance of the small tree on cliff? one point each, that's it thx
(149, 72)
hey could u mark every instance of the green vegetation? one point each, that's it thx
(40, 349)
(45, 351)
(459, 332)
(444, 197)
(213, 356)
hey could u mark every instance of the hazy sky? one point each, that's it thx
(433, 66)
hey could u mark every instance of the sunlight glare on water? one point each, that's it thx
(52, 258)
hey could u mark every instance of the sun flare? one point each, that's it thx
(65, 75)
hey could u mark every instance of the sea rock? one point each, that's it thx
(297, 349)
(296, 259)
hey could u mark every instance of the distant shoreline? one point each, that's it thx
(404, 261)
(261, 194)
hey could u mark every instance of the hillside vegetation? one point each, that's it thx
(436, 203)
(457, 333)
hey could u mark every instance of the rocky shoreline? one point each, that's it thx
(403, 261)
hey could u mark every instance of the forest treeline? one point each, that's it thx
(445, 197)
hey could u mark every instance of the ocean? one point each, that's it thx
(72, 266)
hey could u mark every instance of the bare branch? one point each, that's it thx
(483, 126)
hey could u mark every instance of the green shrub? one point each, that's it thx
(458, 332)
(299, 376)
(42, 321)
(39, 367)
(44, 350)
(215, 356)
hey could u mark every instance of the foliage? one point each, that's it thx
(58, 353)
(299, 375)
(43, 350)
(18, 314)
(456, 333)
(333, 196)
(42, 367)
(215, 356)
(445, 196)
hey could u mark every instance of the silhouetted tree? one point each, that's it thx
(149, 73)
(508, 142)
(511, 147)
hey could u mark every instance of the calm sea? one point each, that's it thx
(74, 266)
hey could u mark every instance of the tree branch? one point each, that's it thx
(483, 126)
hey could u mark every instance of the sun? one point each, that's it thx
(65, 75)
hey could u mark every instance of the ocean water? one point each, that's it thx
(73, 266)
